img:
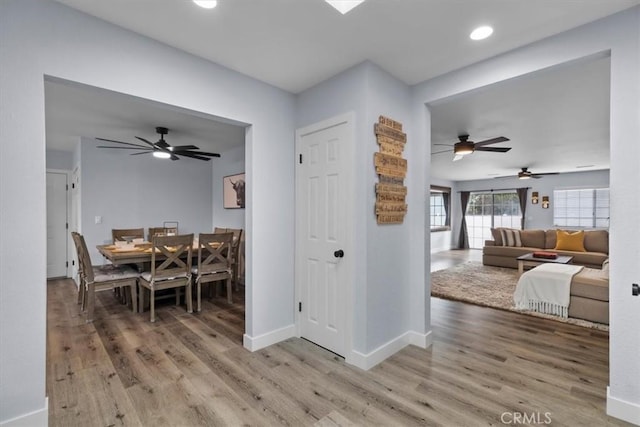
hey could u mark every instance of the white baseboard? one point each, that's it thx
(371, 359)
(270, 338)
(621, 409)
(39, 418)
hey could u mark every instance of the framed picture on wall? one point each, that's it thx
(233, 191)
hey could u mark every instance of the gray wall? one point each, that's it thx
(232, 163)
(141, 191)
(536, 217)
(57, 159)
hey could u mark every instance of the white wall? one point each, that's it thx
(536, 217)
(141, 192)
(385, 283)
(232, 163)
(619, 34)
(41, 37)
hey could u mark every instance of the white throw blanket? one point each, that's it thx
(546, 289)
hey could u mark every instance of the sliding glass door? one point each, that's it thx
(487, 210)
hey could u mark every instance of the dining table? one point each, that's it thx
(139, 253)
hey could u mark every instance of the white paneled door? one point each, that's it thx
(56, 224)
(322, 213)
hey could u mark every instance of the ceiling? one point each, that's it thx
(295, 44)
(73, 111)
(557, 121)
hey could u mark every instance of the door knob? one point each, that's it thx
(339, 253)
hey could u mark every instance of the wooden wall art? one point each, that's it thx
(391, 168)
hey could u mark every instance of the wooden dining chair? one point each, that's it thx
(103, 277)
(121, 234)
(170, 269)
(214, 263)
(156, 231)
(235, 255)
(75, 236)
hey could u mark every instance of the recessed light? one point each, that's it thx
(207, 4)
(481, 33)
(344, 6)
(584, 166)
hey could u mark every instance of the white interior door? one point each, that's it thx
(56, 224)
(322, 221)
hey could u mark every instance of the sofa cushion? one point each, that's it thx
(497, 236)
(591, 283)
(533, 238)
(596, 241)
(567, 241)
(507, 251)
(550, 239)
(510, 237)
(589, 259)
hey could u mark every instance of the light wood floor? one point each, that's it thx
(484, 365)
(447, 259)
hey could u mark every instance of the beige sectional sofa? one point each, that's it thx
(589, 288)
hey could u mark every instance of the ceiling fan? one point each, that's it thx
(525, 173)
(161, 148)
(464, 147)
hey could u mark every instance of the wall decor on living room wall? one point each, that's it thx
(534, 198)
(545, 202)
(391, 169)
(233, 191)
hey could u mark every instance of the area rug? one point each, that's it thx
(488, 286)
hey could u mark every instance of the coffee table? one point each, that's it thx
(528, 260)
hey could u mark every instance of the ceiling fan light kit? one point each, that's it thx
(161, 149)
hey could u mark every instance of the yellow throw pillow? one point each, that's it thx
(566, 241)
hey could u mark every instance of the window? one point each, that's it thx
(440, 206)
(490, 210)
(584, 207)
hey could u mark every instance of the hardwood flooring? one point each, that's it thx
(447, 259)
(485, 367)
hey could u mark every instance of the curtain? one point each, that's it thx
(463, 242)
(522, 196)
(445, 200)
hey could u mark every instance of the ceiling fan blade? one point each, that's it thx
(493, 149)
(204, 153)
(119, 142)
(457, 157)
(183, 147)
(193, 156)
(137, 147)
(537, 176)
(491, 141)
(143, 152)
(151, 144)
(547, 173)
(440, 152)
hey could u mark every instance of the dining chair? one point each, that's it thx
(214, 263)
(121, 234)
(235, 255)
(170, 269)
(102, 277)
(156, 231)
(75, 236)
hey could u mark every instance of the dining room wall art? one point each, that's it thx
(391, 168)
(233, 191)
